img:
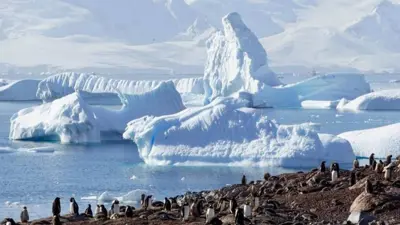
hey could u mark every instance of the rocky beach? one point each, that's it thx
(293, 198)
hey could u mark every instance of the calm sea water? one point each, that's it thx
(35, 179)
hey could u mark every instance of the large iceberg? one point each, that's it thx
(381, 100)
(63, 84)
(236, 61)
(227, 132)
(71, 120)
(19, 90)
(382, 141)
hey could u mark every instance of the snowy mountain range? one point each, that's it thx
(169, 36)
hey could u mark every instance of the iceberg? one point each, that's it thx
(227, 132)
(236, 61)
(19, 90)
(102, 88)
(382, 141)
(380, 100)
(71, 120)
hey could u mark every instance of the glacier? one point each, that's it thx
(382, 141)
(72, 120)
(19, 90)
(236, 61)
(227, 132)
(97, 87)
(380, 100)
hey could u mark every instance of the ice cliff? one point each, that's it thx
(236, 61)
(71, 120)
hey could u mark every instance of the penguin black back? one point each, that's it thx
(167, 204)
(103, 210)
(322, 167)
(239, 216)
(56, 209)
(368, 187)
(373, 165)
(89, 211)
(371, 159)
(233, 205)
(388, 160)
(75, 206)
(352, 178)
(244, 180)
(129, 212)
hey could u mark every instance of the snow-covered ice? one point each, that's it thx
(236, 61)
(19, 90)
(310, 104)
(71, 120)
(102, 88)
(226, 132)
(380, 100)
(382, 141)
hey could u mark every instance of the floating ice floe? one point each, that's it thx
(102, 90)
(380, 100)
(382, 141)
(71, 120)
(226, 132)
(19, 90)
(130, 197)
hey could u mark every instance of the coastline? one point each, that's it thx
(290, 198)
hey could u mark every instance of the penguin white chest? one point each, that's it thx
(247, 211)
(256, 202)
(388, 174)
(71, 208)
(8, 223)
(210, 214)
(116, 208)
(97, 210)
(334, 176)
(186, 212)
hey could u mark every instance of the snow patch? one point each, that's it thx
(381, 100)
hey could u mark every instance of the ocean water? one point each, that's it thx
(86, 171)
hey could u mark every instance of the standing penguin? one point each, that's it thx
(244, 180)
(247, 210)
(129, 212)
(103, 210)
(73, 207)
(115, 207)
(379, 167)
(368, 187)
(24, 215)
(56, 220)
(371, 159)
(352, 178)
(232, 206)
(334, 175)
(388, 160)
(223, 202)
(142, 199)
(210, 214)
(147, 202)
(256, 201)
(239, 216)
(98, 210)
(322, 167)
(56, 209)
(374, 165)
(356, 164)
(389, 171)
(185, 211)
(167, 205)
(88, 211)
(195, 208)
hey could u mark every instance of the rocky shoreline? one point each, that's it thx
(293, 198)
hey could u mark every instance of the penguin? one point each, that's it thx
(368, 187)
(334, 175)
(24, 215)
(388, 160)
(352, 178)
(129, 212)
(142, 199)
(322, 167)
(337, 169)
(185, 211)
(244, 180)
(389, 171)
(167, 205)
(371, 159)
(195, 208)
(356, 164)
(239, 216)
(73, 207)
(247, 210)
(379, 167)
(10, 221)
(210, 214)
(56, 209)
(222, 204)
(373, 165)
(147, 202)
(88, 211)
(103, 210)
(232, 206)
(56, 220)
(98, 210)
(115, 207)
(256, 202)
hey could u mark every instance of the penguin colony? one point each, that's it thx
(198, 206)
